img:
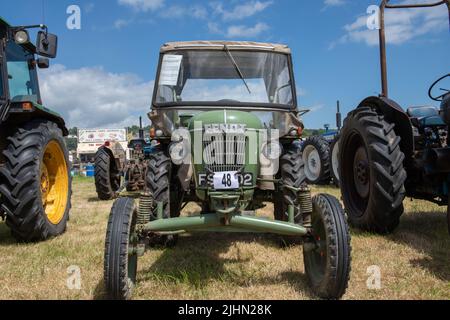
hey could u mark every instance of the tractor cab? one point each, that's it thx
(19, 86)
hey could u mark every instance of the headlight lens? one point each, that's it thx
(177, 152)
(272, 150)
(21, 37)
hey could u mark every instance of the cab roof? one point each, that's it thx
(219, 45)
(4, 22)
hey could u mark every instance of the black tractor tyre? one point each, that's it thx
(120, 263)
(159, 184)
(372, 174)
(448, 215)
(107, 178)
(334, 160)
(327, 254)
(292, 172)
(316, 157)
(36, 153)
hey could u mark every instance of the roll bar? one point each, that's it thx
(386, 5)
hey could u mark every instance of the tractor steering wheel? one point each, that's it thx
(441, 97)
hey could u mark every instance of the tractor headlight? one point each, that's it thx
(272, 150)
(177, 152)
(21, 37)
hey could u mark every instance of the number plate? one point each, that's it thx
(226, 180)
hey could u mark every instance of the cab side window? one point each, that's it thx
(22, 78)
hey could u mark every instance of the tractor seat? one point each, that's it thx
(424, 117)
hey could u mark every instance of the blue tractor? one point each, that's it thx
(387, 153)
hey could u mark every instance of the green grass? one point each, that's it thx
(414, 261)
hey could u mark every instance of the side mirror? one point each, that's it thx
(43, 63)
(46, 44)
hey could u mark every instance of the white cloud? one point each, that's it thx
(142, 5)
(92, 97)
(334, 3)
(241, 11)
(178, 11)
(401, 26)
(241, 31)
(121, 23)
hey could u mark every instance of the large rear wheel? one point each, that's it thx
(292, 174)
(107, 177)
(159, 179)
(448, 215)
(316, 157)
(35, 183)
(372, 175)
(334, 149)
(327, 253)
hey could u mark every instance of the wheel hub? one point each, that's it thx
(54, 182)
(312, 158)
(45, 181)
(361, 173)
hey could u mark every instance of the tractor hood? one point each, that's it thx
(226, 118)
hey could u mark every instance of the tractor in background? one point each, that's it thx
(387, 153)
(113, 172)
(320, 155)
(35, 180)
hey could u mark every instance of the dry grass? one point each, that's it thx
(414, 261)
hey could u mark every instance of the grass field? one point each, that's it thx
(414, 261)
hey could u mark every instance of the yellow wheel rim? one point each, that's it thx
(54, 183)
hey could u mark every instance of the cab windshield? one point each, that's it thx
(22, 79)
(208, 77)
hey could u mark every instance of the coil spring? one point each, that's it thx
(305, 200)
(145, 208)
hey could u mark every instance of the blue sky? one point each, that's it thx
(103, 75)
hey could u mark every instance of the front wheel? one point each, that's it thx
(120, 265)
(327, 251)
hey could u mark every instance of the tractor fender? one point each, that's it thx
(393, 113)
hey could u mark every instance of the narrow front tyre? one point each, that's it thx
(327, 250)
(120, 265)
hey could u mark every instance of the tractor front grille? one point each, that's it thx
(224, 150)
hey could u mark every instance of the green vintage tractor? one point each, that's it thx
(227, 128)
(35, 181)
(387, 153)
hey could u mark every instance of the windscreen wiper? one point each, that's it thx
(236, 66)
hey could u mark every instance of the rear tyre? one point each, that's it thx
(327, 254)
(372, 175)
(158, 182)
(448, 216)
(334, 150)
(316, 157)
(107, 178)
(35, 182)
(292, 171)
(120, 264)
